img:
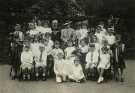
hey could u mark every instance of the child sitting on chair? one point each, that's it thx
(41, 61)
(26, 60)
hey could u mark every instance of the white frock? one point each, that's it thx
(104, 61)
(26, 60)
(68, 52)
(74, 72)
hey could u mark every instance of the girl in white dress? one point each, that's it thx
(75, 73)
(68, 51)
(26, 58)
(56, 50)
(92, 58)
(59, 68)
(26, 62)
(104, 62)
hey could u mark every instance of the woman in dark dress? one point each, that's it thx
(55, 31)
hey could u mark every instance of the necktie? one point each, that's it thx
(91, 56)
(41, 56)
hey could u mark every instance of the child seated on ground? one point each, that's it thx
(75, 73)
(26, 59)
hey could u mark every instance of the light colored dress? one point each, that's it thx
(55, 53)
(33, 32)
(60, 70)
(92, 59)
(43, 30)
(75, 72)
(111, 39)
(26, 59)
(68, 52)
(104, 61)
(67, 34)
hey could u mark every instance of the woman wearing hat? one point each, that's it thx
(67, 33)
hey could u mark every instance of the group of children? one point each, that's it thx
(72, 54)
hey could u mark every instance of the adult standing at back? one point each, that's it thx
(67, 33)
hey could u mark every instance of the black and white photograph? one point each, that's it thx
(67, 46)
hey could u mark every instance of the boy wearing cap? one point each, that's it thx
(18, 34)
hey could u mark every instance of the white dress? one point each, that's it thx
(84, 49)
(92, 59)
(111, 39)
(49, 47)
(60, 70)
(26, 59)
(81, 34)
(84, 33)
(68, 52)
(100, 37)
(59, 67)
(55, 53)
(47, 30)
(75, 72)
(104, 61)
(35, 49)
(33, 32)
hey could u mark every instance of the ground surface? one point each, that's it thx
(50, 86)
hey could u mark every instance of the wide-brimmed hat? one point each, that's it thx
(67, 23)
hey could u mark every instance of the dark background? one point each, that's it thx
(19, 11)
